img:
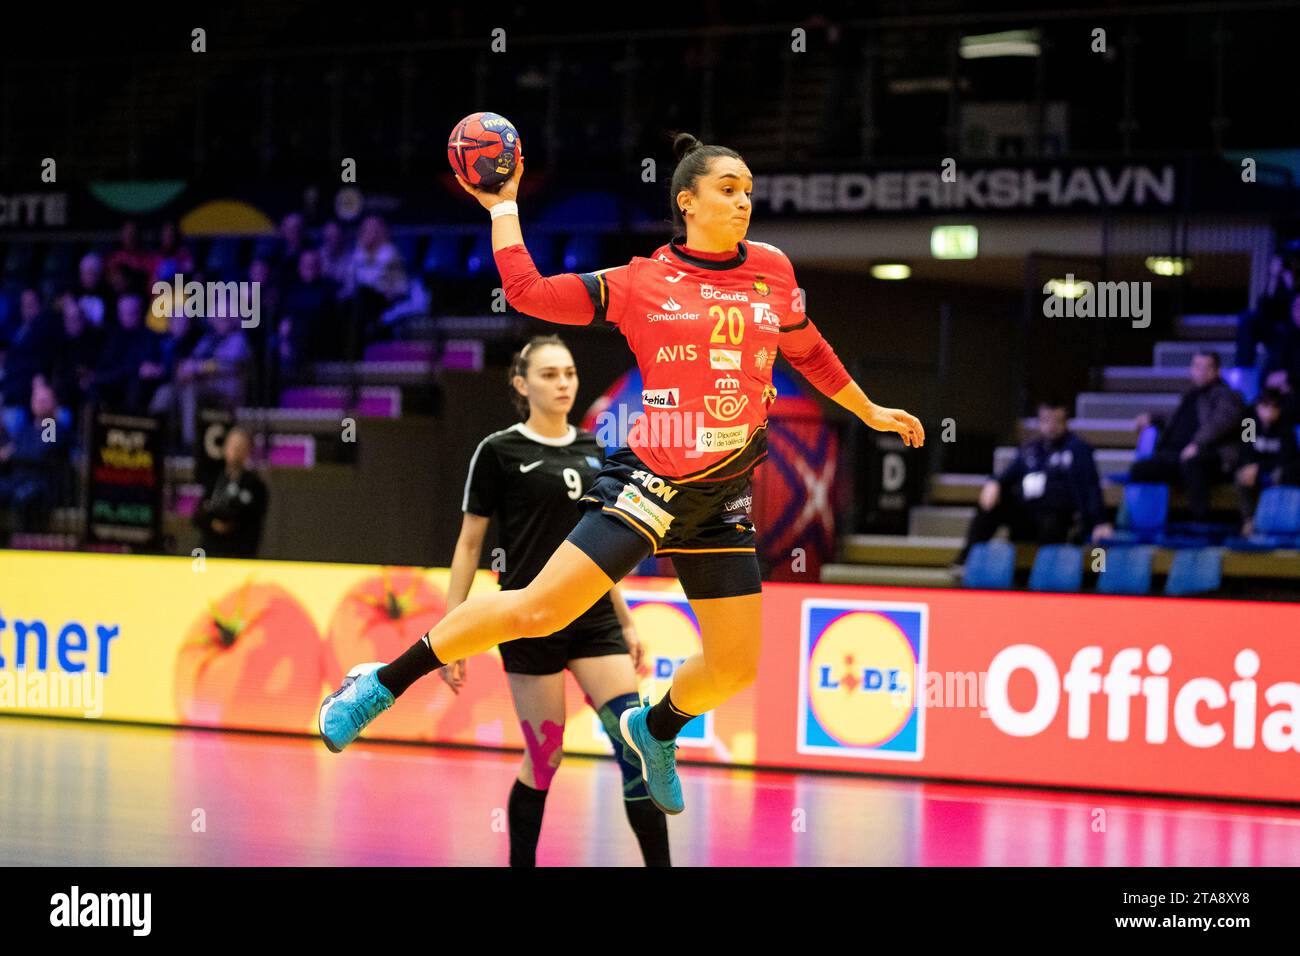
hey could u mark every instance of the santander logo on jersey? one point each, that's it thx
(1205, 713)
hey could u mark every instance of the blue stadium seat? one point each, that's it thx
(1146, 447)
(1143, 512)
(1195, 571)
(1277, 521)
(1057, 567)
(990, 565)
(223, 259)
(480, 257)
(408, 247)
(1128, 570)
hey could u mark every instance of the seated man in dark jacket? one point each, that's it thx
(1052, 481)
(233, 508)
(1201, 443)
(33, 461)
(1271, 459)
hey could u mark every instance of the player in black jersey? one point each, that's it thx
(530, 476)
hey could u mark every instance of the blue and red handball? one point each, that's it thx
(483, 148)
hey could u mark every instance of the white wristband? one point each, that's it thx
(507, 208)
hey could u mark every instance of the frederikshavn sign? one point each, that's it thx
(971, 189)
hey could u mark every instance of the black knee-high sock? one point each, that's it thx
(416, 661)
(666, 721)
(524, 813)
(651, 829)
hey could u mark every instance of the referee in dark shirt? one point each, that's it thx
(233, 509)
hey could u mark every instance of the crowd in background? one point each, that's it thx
(103, 339)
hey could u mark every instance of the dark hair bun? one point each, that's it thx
(684, 143)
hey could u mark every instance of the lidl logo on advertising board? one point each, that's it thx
(667, 628)
(861, 667)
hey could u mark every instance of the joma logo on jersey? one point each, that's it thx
(725, 407)
(708, 292)
(655, 485)
(678, 353)
(722, 359)
(727, 383)
(765, 318)
(659, 397)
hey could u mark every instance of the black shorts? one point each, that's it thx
(551, 654)
(630, 513)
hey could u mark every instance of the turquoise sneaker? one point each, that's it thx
(347, 711)
(658, 760)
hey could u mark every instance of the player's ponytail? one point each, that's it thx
(693, 159)
(519, 366)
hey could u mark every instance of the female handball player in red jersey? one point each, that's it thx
(530, 477)
(705, 316)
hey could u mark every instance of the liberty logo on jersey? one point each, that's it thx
(659, 397)
(860, 663)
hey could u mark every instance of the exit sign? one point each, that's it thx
(954, 242)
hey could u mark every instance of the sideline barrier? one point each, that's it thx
(1163, 695)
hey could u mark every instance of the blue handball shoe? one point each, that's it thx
(347, 711)
(658, 760)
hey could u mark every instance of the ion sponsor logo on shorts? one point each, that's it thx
(655, 485)
(723, 359)
(634, 503)
(860, 665)
(721, 439)
(659, 397)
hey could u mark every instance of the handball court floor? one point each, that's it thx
(76, 794)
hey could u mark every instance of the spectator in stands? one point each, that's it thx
(116, 382)
(93, 293)
(292, 244)
(308, 328)
(1050, 487)
(1282, 365)
(172, 257)
(1271, 459)
(78, 354)
(34, 462)
(215, 375)
(130, 266)
(378, 276)
(336, 257)
(162, 364)
(1200, 445)
(231, 514)
(1261, 324)
(30, 351)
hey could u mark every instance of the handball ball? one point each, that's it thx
(483, 148)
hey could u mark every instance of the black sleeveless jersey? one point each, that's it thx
(532, 484)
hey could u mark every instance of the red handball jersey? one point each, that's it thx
(705, 330)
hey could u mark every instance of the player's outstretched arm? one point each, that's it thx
(561, 298)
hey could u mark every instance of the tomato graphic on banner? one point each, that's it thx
(861, 678)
